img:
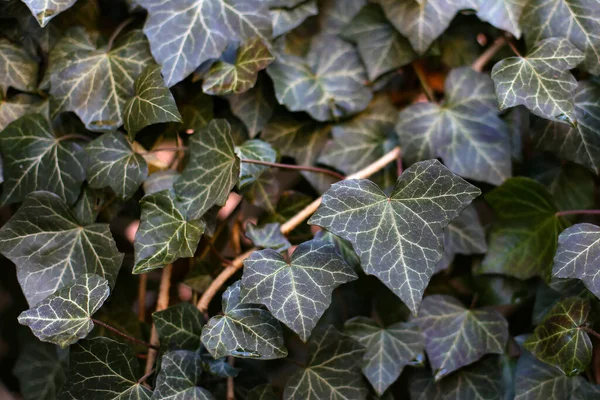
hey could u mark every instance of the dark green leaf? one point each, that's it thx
(456, 336)
(463, 235)
(254, 107)
(243, 330)
(268, 236)
(13, 108)
(89, 205)
(559, 340)
(196, 114)
(220, 368)
(45, 10)
(161, 180)
(112, 162)
(212, 170)
(586, 391)
(342, 246)
(503, 14)
(64, 317)
(18, 69)
(253, 150)
(398, 238)
(165, 233)
(389, 349)
(35, 159)
(51, 249)
(179, 327)
(287, 17)
(334, 15)
(297, 292)
(102, 369)
(178, 378)
(153, 103)
(183, 34)
(523, 241)
(541, 80)
(332, 372)
(465, 130)
(40, 371)
(264, 192)
(262, 392)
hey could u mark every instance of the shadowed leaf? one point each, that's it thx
(178, 377)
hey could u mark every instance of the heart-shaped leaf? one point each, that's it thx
(153, 103)
(399, 237)
(286, 17)
(465, 130)
(179, 372)
(35, 158)
(253, 150)
(45, 10)
(559, 340)
(389, 349)
(212, 171)
(268, 236)
(185, 33)
(456, 336)
(65, 316)
(179, 327)
(51, 249)
(244, 330)
(297, 292)
(541, 80)
(19, 69)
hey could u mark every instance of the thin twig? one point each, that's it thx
(286, 228)
(474, 301)
(126, 336)
(146, 376)
(218, 254)
(118, 30)
(299, 167)
(161, 304)
(230, 383)
(590, 331)
(577, 212)
(74, 136)
(142, 285)
(514, 48)
(487, 55)
(423, 79)
(399, 163)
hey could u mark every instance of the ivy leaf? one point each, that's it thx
(541, 80)
(268, 236)
(580, 144)
(179, 373)
(332, 372)
(212, 171)
(243, 330)
(538, 380)
(95, 84)
(160, 180)
(465, 130)
(334, 15)
(153, 103)
(103, 369)
(456, 336)
(65, 316)
(328, 84)
(179, 327)
(503, 14)
(398, 238)
(35, 159)
(14, 107)
(220, 368)
(574, 20)
(577, 254)
(286, 17)
(196, 114)
(254, 107)
(45, 10)
(165, 233)
(381, 48)
(523, 241)
(183, 34)
(297, 292)
(40, 371)
(264, 192)
(559, 340)
(586, 391)
(51, 249)
(18, 69)
(389, 349)
(254, 150)
(225, 78)
(463, 235)
(112, 162)
(262, 392)
(88, 206)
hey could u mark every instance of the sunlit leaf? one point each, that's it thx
(398, 238)
(253, 150)
(212, 170)
(286, 17)
(332, 371)
(165, 233)
(185, 33)
(456, 336)
(179, 374)
(153, 103)
(465, 130)
(45, 10)
(103, 369)
(65, 316)
(51, 249)
(40, 371)
(299, 291)
(244, 330)
(268, 236)
(254, 107)
(559, 340)
(389, 349)
(18, 69)
(35, 158)
(541, 80)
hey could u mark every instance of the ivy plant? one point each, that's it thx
(300, 199)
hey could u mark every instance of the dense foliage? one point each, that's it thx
(300, 199)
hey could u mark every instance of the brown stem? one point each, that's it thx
(423, 79)
(399, 163)
(474, 301)
(116, 32)
(286, 228)
(126, 336)
(577, 212)
(74, 136)
(146, 376)
(230, 383)
(514, 48)
(487, 55)
(142, 285)
(590, 331)
(161, 304)
(218, 254)
(299, 167)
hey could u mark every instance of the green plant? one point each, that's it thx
(444, 153)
